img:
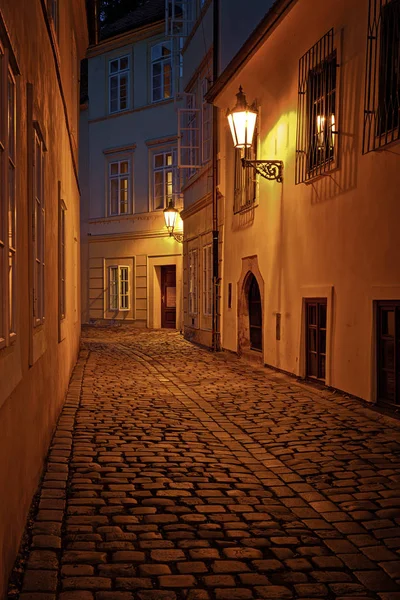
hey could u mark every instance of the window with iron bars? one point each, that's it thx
(316, 147)
(382, 75)
(245, 190)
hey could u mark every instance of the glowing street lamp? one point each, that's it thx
(242, 122)
(170, 214)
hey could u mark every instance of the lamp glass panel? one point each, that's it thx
(170, 218)
(244, 123)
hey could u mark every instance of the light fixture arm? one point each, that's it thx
(269, 169)
(178, 237)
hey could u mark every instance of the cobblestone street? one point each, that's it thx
(175, 473)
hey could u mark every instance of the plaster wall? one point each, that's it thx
(336, 237)
(34, 375)
(138, 133)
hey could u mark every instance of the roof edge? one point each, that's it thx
(267, 24)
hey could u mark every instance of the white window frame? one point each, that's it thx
(192, 280)
(207, 280)
(119, 75)
(166, 170)
(38, 228)
(206, 123)
(119, 288)
(8, 210)
(119, 177)
(164, 62)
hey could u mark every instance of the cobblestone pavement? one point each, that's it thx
(178, 474)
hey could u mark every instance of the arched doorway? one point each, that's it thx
(255, 314)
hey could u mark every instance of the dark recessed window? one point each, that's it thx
(317, 111)
(382, 83)
(245, 191)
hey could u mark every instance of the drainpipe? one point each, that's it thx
(216, 335)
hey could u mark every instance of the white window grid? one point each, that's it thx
(119, 293)
(38, 231)
(161, 71)
(207, 280)
(119, 187)
(193, 274)
(118, 83)
(189, 134)
(206, 122)
(163, 179)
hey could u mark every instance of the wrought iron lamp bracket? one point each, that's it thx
(269, 169)
(178, 237)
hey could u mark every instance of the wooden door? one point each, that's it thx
(255, 315)
(388, 352)
(168, 296)
(316, 338)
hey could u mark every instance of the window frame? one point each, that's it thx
(62, 297)
(8, 199)
(207, 280)
(38, 226)
(163, 61)
(164, 169)
(317, 89)
(245, 178)
(121, 292)
(382, 63)
(192, 282)
(206, 122)
(118, 74)
(118, 160)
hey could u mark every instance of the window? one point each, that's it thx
(38, 229)
(118, 71)
(206, 124)
(316, 338)
(189, 131)
(161, 72)
(382, 83)
(193, 270)
(61, 259)
(207, 280)
(8, 212)
(388, 352)
(245, 190)
(119, 288)
(316, 117)
(119, 188)
(163, 179)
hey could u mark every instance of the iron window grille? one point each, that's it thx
(316, 144)
(382, 75)
(245, 191)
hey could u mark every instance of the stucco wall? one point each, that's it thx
(33, 386)
(336, 237)
(136, 134)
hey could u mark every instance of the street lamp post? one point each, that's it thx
(242, 122)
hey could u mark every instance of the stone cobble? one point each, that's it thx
(178, 474)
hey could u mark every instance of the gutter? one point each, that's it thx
(266, 26)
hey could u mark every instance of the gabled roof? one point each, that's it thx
(150, 11)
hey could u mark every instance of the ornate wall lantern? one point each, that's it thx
(170, 214)
(242, 123)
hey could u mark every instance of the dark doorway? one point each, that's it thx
(168, 296)
(388, 352)
(316, 338)
(255, 315)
